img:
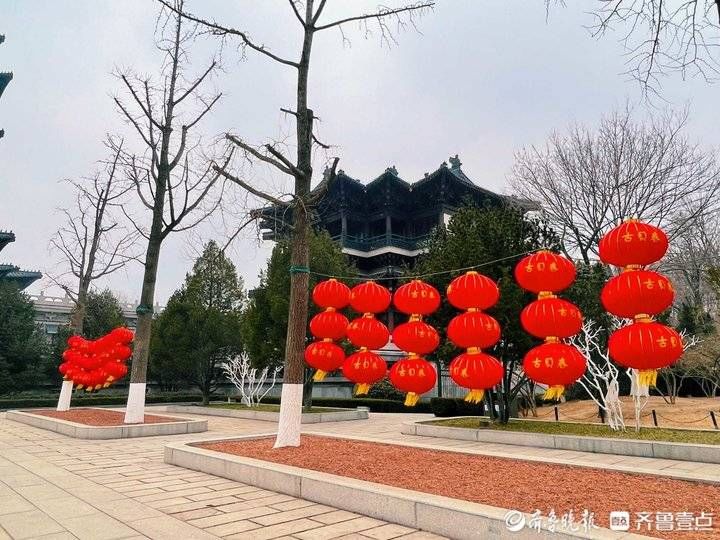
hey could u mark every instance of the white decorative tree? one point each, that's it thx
(250, 381)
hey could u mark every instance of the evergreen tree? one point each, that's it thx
(103, 313)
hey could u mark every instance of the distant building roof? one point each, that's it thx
(12, 273)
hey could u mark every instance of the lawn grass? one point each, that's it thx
(587, 430)
(266, 407)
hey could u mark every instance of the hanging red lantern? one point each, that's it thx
(646, 346)
(416, 298)
(329, 325)
(545, 272)
(331, 293)
(633, 243)
(551, 316)
(472, 291)
(637, 292)
(477, 372)
(364, 368)
(555, 364)
(325, 357)
(367, 331)
(413, 375)
(473, 329)
(122, 335)
(416, 337)
(369, 297)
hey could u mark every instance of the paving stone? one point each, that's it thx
(290, 515)
(335, 517)
(340, 529)
(229, 517)
(276, 531)
(166, 527)
(11, 504)
(386, 532)
(32, 524)
(97, 526)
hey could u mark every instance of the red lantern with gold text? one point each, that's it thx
(326, 326)
(370, 297)
(364, 368)
(545, 272)
(551, 316)
(478, 372)
(472, 290)
(637, 292)
(413, 375)
(556, 365)
(633, 244)
(416, 298)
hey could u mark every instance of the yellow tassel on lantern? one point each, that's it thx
(554, 392)
(107, 384)
(319, 375)
(411, 399)
(79, 387)
(647, 377)
(362, 389)
(475, 396)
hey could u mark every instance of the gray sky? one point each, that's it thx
(482, 79)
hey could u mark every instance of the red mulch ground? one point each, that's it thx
(98, 417)
(505, 483)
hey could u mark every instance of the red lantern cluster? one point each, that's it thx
(97, 364)
(365, 367)
(637, 293)
(415, 375)
(474, 330)
(327, 326)
(553, 363)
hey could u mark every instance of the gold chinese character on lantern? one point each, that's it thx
(642, 236)
(549, 361)
(562, 363)
(662, 342)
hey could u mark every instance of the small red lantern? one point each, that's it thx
(477, 372)
(416, 298)
(325, 357)
(416, 337)
(329, 325)
(637, 292)
(367, 331)
(646, 346)
(633, 243)
(545, 272)
(331, 293)
(551, 316)
(555, 364)
(369, 297)
(473, 329)
(473, 291)
(364, 368)
(121, 335)
(413, 375)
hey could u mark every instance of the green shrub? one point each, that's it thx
(445, 407)
(385, 390)
(375, 405)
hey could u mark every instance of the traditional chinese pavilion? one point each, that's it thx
(5, 79)
(11, 273)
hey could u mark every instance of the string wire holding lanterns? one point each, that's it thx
(553, 363)
(639, 294)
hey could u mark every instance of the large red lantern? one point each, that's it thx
(364, 368)
(555, 364)
(413, 375)
(633, 243)
(637, 292)
(551, 317)
(416, 298)
(476, 372)
(646, 346)
(369, 297)
(545, 272)
(473, 329)
(472, 291)
(329, 325)
(416, 337)
(331, 293)
(325, 357)
(368, 332)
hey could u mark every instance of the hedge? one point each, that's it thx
(91, 401)
(375, 405)
(444, 407)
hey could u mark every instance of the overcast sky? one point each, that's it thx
(482, 79)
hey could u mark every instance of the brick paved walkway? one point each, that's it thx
(55, 487)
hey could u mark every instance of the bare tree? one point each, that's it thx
(311, 17)
(588, 180)
(173, 182)
(91, 241)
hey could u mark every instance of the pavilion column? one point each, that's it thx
(388, 227)
(343, 225)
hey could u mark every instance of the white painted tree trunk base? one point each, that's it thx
(290, 422)
(135, 410)
(65, 396)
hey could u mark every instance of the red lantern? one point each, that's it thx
(416, 337)
(369, 297)
(545, 272)
(637, 292)
(646, 346)
(413, 375)
(329, 325)
(416, 298)
(122, 335)
(325, 357)
(551, 317)
(331, 294)
(473, 291)
(633, 243)
(364, 368)
(473, 329)
(477, 372)
(367, 331)
(555, 364)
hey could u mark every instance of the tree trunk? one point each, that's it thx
(77, 320)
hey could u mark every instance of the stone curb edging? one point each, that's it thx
(341, 415)
(458, 519)
(82, 431)
(701, 453)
